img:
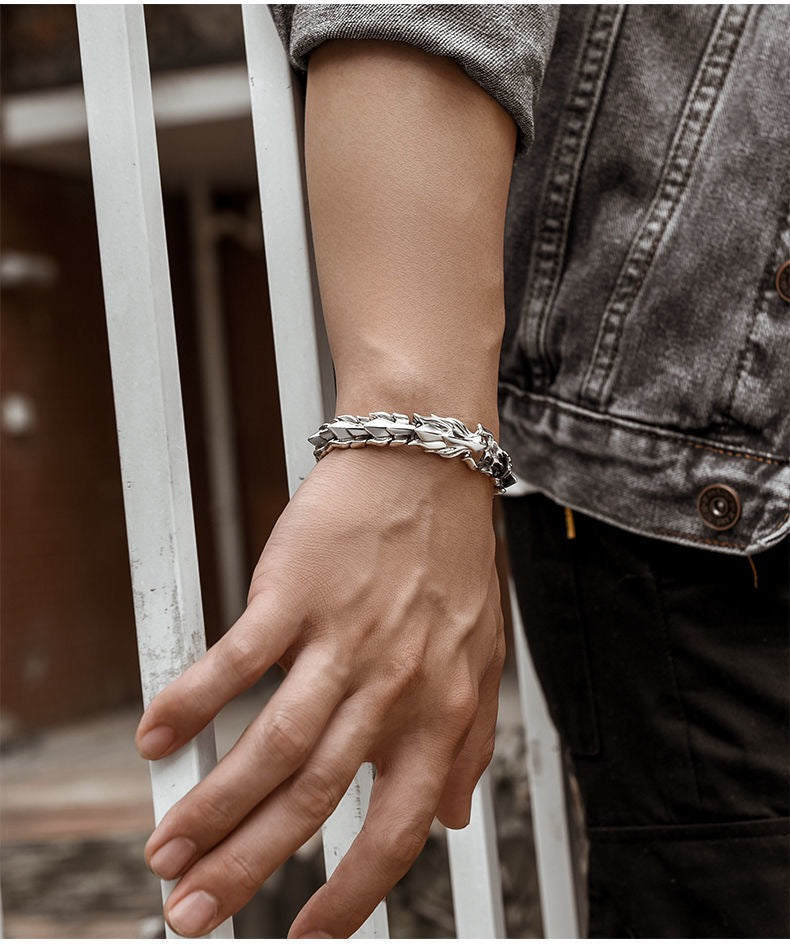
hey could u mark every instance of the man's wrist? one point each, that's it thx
(466, 390)
(393, 473)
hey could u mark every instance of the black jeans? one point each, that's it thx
(666, 673)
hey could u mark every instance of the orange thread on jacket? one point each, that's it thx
(754, 570)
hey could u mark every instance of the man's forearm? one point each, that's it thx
(408, 167)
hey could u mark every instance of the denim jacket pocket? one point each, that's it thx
(553, 222)
(683, 155)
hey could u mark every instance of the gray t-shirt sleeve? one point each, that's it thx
(502, 47)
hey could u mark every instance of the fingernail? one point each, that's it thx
(194, 914)
(169, 861)
(153, 743)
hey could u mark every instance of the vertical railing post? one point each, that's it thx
(304, 369)
(545, 769)
(148, 408)
(474, 870)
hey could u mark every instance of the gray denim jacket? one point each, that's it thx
(645, 373)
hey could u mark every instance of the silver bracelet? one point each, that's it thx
(442, 436)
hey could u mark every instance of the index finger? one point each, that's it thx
(252, 645)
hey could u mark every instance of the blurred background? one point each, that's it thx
(75, 808)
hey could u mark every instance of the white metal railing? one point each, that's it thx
(144, 361)
(556, 878)
(152, 442)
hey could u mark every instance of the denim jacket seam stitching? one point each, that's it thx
(763, 304)
(567, 160)
(607, 23)
(550, 250)
(736, 454)
(666, 532)
(721, 543)
(645, 428)
(675, 176)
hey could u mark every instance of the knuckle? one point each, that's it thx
(240, 872)
(399, 676)
(460, 705)
(436, 599)
(401, 845)
(243, 657)
(254, 591)
(407, 670)
(316, 793)
(262, 592)
(214, 813)
(285, 738)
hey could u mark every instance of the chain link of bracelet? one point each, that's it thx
(447, 437)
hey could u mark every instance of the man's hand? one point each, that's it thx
(377, 590)
(377, 593)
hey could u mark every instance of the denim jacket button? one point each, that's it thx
(783, 281)
(719, 507)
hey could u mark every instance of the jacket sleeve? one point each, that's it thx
(502, 47)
